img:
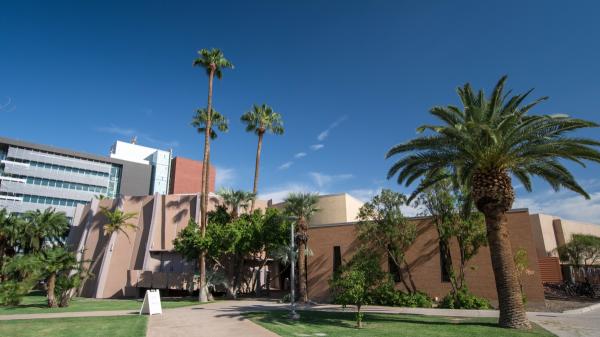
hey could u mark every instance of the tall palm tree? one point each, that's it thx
(200, 121)
(213, 61)
(260, 120)
(117, 221)
(236, 200)
(480, 146)
(302, 206)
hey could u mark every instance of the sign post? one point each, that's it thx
(151, 303)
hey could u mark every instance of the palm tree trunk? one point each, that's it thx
(256, 168)
(302, 263)
(202, 291)
(51, 286)
(512, 310)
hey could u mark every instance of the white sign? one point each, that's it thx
(151, 303)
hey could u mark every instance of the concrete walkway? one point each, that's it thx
(222, 318)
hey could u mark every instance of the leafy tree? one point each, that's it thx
(454, 216)
(383, 227)
(582, 251)
(117, 222)
(522, 265)
(302, 206)
(229, 242)
(260, 120)
(54, 261)
(213, 61)
(357, 282)
(480, 146)
(236, 200)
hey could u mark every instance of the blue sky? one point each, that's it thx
(350, 78)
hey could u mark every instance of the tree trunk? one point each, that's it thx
(359, 324)
(51, 286)
(302, 272)
(256, 167)
(493, 195)
(202, 289)
(512, 310)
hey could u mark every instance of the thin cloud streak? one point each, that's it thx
(286, 165)
(129, 132)
(317, 147)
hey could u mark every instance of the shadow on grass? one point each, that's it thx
(347, 319)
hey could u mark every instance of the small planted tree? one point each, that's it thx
(56, 261)
(356, 283)
(582, 251)
(383, 227)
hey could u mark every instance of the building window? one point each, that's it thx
(337, 258)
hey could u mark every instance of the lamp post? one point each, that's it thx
(293, 314)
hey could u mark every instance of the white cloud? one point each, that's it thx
(321, 137)
(325, 133)
(565, 204)
(364, 194)
(144, 137)
(300, 155)
(279, 193)
(321, 180)
(317, 147)
(225, 177)
(285, 165)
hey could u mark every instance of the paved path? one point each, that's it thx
(222, 318)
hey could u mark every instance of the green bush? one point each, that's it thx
(386, 294)
(464, 299)
(12, 293)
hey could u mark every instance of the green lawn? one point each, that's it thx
(35, 303)
(332, 324)
(115, 326)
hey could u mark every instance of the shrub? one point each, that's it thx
(464, 299)
(12, 293)
(387, 294)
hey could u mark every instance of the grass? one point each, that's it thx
(114, 326)
(35, 303)
(332, 324)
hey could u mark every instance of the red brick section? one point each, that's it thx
(550, 269)
(424, 258)
(186, 176)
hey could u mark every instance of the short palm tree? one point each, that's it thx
(480, 146)
(302, 206)
(260, 120)
(236, 200)
(43, 228)
(213, 61)
(11, 230)
(55, 260)
(117, 222)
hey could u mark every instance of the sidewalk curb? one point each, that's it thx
(582, 310)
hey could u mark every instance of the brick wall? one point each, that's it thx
(186, 176)
(424, 259)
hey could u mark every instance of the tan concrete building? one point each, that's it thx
(551, 232)
(145, 257)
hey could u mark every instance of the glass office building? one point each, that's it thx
(35, 177)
